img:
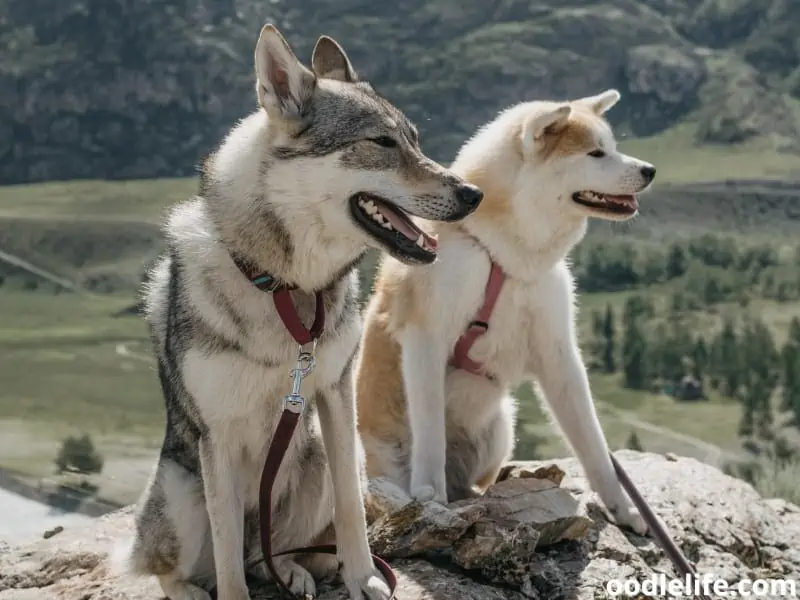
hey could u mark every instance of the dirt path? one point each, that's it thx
(21, 263)
(714, 454)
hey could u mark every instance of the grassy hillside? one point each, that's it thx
(711, 96)
(76, 362)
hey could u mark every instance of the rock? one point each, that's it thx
(51, 532)
(664, 80)
(409, 528)
(526, 511)
(668, 73)
(721, 524)
(539, 503)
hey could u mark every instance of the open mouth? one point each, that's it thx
(626, 205)
(393, 228)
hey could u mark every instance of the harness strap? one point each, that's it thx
(288, 423)
(480, 325)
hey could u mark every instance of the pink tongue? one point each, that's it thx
(627, 200)
(398, 222)
(403, 226)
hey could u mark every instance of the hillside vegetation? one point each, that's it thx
(122, 98)
(144, 88)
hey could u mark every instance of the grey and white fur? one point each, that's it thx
(291, 190)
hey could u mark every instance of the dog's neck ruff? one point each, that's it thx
(479, 325)
(284, 304)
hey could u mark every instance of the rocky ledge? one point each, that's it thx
(536, 534)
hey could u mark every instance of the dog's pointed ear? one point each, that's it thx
(330, 61)
(602, 102)
(284, 85)
(549, 121)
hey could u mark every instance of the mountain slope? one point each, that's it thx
(144, 88)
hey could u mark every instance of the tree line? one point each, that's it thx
(707, 269)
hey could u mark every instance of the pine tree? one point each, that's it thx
(700, 357)
(634, 350)
(729, 358)
(609, 363)
(676, 262)
(596, 342)
(758, 351)
(764, 416)
(637, 306)
(747, 422)
(794, 330)
(790, 372)
(633, 442)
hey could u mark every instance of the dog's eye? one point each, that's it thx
(597, 154)
(384, 141)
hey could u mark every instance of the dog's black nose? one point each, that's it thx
(469, 195)
(649, 173)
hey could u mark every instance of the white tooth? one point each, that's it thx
(370, 207)
(387, 225)
(378, 217)
(420, 241)
(361, 203)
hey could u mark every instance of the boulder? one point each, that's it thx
(538, 533)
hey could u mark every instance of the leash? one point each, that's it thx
(661, 535)
(293, 406)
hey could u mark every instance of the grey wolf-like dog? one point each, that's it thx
(325, 169)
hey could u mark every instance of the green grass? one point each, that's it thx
(95, 200)
(62, 375)
(779, 480)
(680, 160)
(620, 410)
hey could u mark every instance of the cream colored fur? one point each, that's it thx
(437, 431)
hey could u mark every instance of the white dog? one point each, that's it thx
(435, 413)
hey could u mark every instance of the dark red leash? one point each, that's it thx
(656, 528)
(294, 404)
(277, 450)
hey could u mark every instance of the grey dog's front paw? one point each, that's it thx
(371, 586)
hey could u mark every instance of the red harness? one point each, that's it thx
(287, 424)
(479, 325)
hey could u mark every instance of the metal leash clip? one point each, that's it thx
(306, 362)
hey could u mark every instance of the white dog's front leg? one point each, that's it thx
(337, 414)
(226, 515)
(565, 384)
(424, 360)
